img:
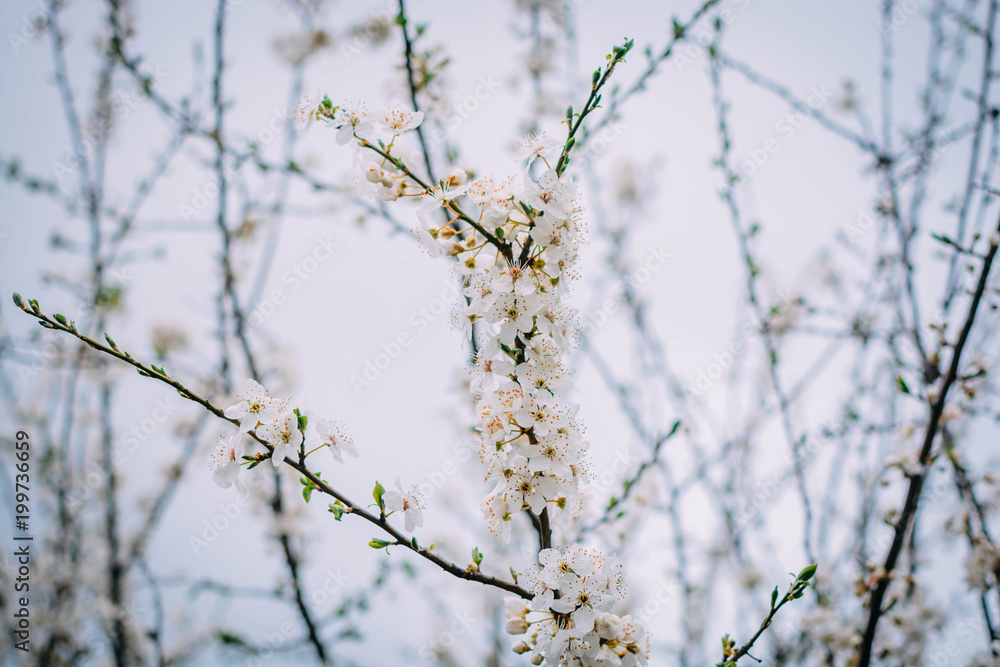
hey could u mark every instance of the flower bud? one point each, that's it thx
(457, 177)
(517, 626)
(537, 659)
(374, 174)
(521, 647)
(515, 608)
(386, 180)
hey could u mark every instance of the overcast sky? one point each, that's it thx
(377, 286)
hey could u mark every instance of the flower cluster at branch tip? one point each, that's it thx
(276, 422)
(515, 241)
(579, 627)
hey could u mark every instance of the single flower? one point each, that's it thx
(226, 459)
(334, 435)
(256, 406)
(407, 502)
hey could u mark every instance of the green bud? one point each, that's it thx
(337, 510)
(379, 544)
(595, 78)
(18, 301)
(60, 318)
(377, 494)
(807, 572)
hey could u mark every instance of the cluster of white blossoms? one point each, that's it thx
(912, 624)
(530, 440)
(276, 422)
(982, 566)
(354, 122)
(571, 619)
(516, 241)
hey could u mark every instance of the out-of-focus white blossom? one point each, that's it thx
(982, 565)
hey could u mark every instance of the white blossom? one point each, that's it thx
(283, 434)
(407, 502)
(226, 459)
(334, 435)
(255, 406)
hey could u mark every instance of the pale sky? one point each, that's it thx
(377, 286)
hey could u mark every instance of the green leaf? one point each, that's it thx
(807, 572)
(901, 384)
(308, 486)
(774, 596)
(60, 318)
(111, 342)
(18, 301)
(513, 575)
(378, 544)
(413, 543)
(337, 510)
(377, 494)
(477, 555)
(230, 639)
